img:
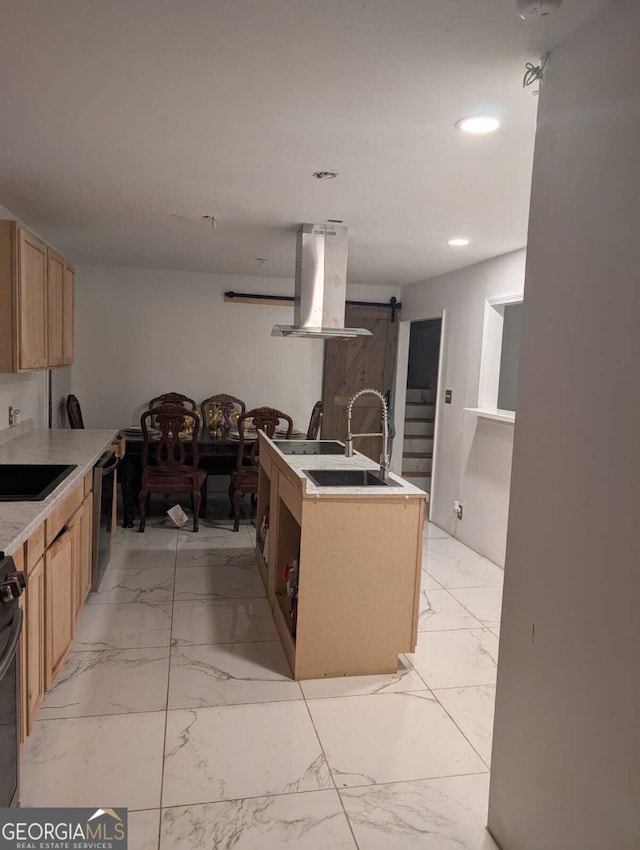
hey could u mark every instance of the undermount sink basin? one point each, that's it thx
(348, 478)
(30, 482)
(309, 447)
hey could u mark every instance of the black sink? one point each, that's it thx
(30, 482)
(309, 447)
(348, 478)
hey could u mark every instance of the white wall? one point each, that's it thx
(26, 391)
(141, 332)
(473, 456)
(566, 748)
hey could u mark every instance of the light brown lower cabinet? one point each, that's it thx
(82, 523)
(60, 595)
(58, 582)
(34, 644)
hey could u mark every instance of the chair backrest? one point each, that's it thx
(315, 422)
(228, 405)
(169, 449)
(265, 419)
(174, 398)
(74, 414)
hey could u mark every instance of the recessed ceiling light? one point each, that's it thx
(478, 124)
(458, 242)
(325, 175)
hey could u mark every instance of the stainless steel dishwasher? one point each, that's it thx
(103, 483)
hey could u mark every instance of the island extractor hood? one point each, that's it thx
(321, 285)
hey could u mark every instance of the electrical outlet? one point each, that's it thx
(457, 509)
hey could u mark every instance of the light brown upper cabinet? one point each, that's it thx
(60, 310)
(36, 302)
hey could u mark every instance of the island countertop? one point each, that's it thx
(299, 463)
(80, 447)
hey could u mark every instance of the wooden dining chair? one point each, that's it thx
(228, 404)
(315, 421)
(74, 414)
(244, 478)
(174, 398)
(166, 467)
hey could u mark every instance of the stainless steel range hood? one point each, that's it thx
(321, 285)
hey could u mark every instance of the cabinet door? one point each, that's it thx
(60, 596)
(55, 307)
(84, 523)
(68, 314)
(32, 302)
(34, 638)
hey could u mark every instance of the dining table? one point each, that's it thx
(217, 452)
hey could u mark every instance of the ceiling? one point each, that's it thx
(119, 117)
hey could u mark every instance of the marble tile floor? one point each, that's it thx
(177, 702)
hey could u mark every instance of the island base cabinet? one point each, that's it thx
(60, 594)
(355, 606)
(357, 599)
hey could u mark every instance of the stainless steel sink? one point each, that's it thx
(348, 478)
(28, 482)
(309, 447)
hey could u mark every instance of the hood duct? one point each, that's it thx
(321, 285)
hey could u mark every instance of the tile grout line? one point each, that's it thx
(166, 707)
(324, 755)
(315, 791)
(460, 730)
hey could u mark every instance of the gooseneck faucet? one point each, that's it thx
(384, 457)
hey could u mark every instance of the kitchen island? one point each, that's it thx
(341, 564)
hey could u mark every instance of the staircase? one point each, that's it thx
(417, 452)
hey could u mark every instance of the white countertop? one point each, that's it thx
(81, 447)
(508, 417)
(298, 463)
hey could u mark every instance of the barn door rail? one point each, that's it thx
(287, 300)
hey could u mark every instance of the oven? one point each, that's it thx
(12, 584)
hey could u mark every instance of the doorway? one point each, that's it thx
(420, 404)
(353, 364)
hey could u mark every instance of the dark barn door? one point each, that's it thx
(353, 364)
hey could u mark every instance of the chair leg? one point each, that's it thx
(232, 490)
(237, 498)
(196, 496)
(142, 505)
(203, 507)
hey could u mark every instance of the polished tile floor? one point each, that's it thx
(177, 702)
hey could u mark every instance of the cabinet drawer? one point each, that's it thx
(291, 497)
(88, 483)
(35, 548)
(63, 512)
